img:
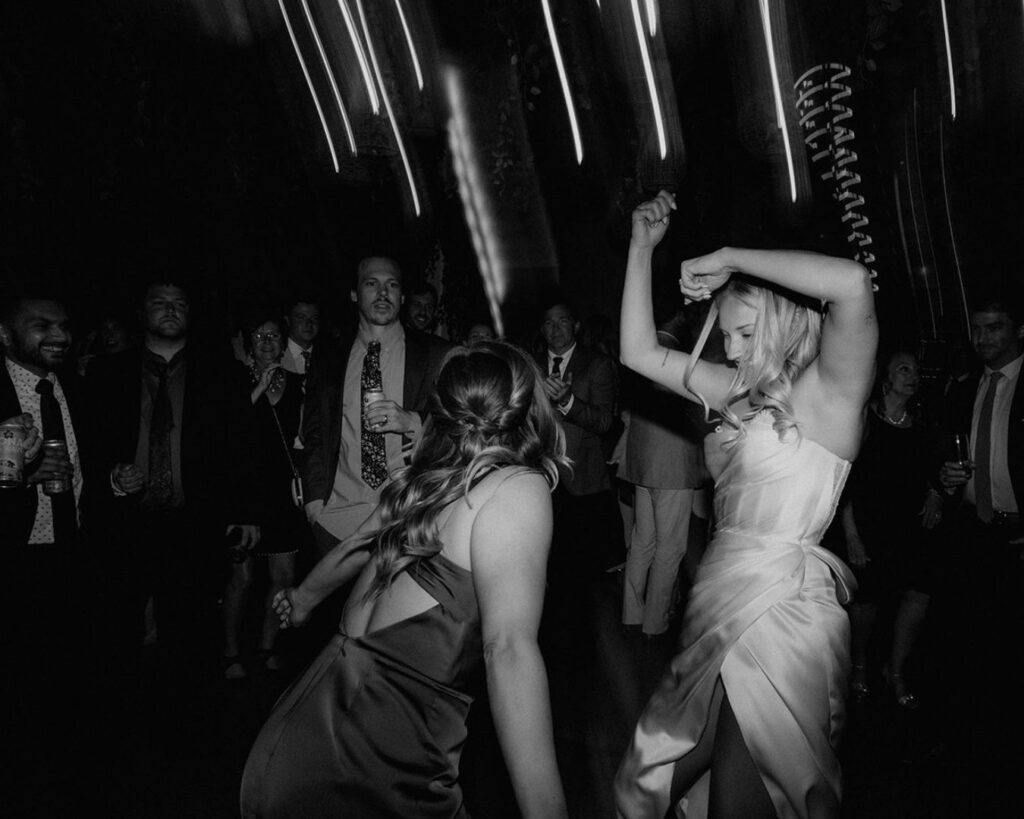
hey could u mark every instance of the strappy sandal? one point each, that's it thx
(859, 685)
(233, 668)
(904, 699)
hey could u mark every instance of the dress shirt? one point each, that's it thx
(562, 367)
(1003, 499)
(176, 390)
(25, 389)
(293, 360)
(352, 500)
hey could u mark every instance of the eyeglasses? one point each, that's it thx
(261, 337)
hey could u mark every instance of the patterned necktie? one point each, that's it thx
(982, 451)
(556, 364)
(305, 362)
(160, 488)
(52, 421)
(372, 450)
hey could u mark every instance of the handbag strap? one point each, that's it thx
(284, 442)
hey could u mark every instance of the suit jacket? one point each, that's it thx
(18, 506)
(593, 409)
(959, 409)
(321, 420)
(217, 465)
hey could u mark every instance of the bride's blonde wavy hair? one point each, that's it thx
(489, 410)
(785, 340)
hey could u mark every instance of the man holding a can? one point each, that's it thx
(365, 406)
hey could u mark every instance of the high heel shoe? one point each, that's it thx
(859, 684)
(898, 687)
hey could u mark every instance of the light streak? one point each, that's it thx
(906, 251)
(473, 191)
(777, 92)
(949, 222)
(924, 212)
(330, 76)
(412, 47)
(913, 214)
(309, 82)
(387, 107)
(364, 67)
(652, 89)
(566, 93)
(949, 62)
(652, 16)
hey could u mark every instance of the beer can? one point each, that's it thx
(369, 397)
(12, 455)
(55, 486)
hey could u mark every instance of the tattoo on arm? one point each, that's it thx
(665, 358)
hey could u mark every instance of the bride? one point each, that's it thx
(746, 719)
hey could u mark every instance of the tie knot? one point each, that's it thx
(373, 347)
(44, 387)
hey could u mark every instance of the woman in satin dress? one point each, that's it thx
(452, 569)
(746, 720)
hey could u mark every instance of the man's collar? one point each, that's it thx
(1010, 370)
(387, 336)
(565, 354)
(19, 372)
(297, 349)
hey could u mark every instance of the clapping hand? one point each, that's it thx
(650, 220)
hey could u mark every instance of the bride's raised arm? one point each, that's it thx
(639, 346)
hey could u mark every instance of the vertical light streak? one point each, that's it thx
(777, 92)
(652, 89)
(652, 16)
(409, 43)
(364, 66)
(949, 62)
(309, 82)
(913, 215)
(330, 76)
(906, 251)
(566, 93)
(387, 107)
(949, 223)
(473, 192)
(924, 213)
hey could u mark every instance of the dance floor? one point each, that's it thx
(186, 761)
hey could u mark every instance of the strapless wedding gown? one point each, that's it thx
(764, 616)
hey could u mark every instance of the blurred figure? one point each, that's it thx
(112, 335)
(421, 307)
(888, 517)
(303, 321)
(451, 570)
(276, 398)
(478, 332)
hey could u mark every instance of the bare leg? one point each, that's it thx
(862, 624)
(736, 786)
(909, 619)
(692, 766)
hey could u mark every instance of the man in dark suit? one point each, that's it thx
(47, 718)
(985, 590)
(582, 385)
(351, 447)
(172, 483)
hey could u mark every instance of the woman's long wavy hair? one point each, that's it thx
(489, 411)
(785, 340)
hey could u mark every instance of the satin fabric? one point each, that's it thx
(765, 618)
(375, 726)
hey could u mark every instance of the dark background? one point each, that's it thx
(134, 135)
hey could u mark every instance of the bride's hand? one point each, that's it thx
(702, 276)
(650, 220)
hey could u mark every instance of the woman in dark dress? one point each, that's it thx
(452, 572)
(276, 399)
(888, 518)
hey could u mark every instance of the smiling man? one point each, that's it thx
(352, 452)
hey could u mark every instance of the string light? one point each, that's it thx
(309, 83)
(357, 44)
(566, 93)
(777, 92)
(330, 76)
(949, 62)
(652, 88)
(409, 43)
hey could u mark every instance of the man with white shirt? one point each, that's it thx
(303, 320)
(986, 544)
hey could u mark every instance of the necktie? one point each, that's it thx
(982, 451)
(52, 421)
(160, 489)
(372, 450)
(556, 363)
(305, 362)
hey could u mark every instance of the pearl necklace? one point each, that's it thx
(896, 422)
